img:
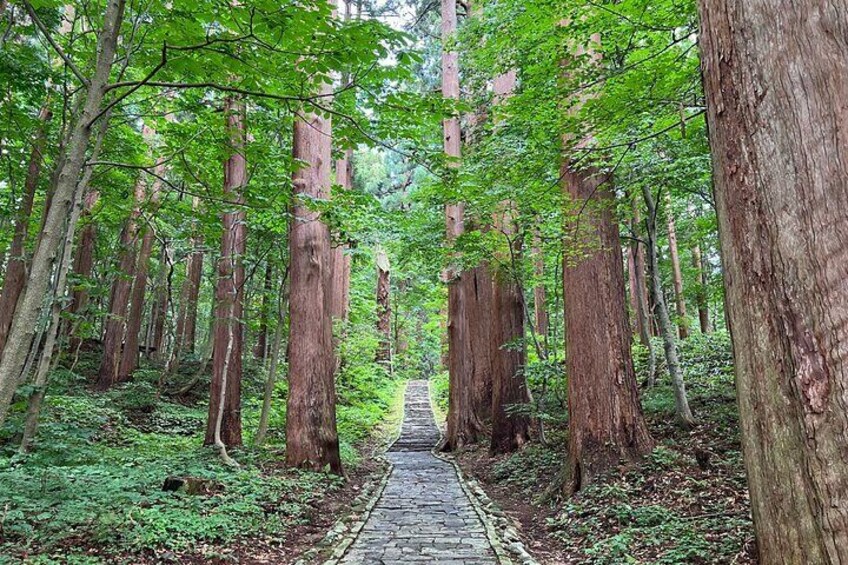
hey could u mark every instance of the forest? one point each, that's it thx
(406, 281)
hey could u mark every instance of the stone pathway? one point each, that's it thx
(423, 515)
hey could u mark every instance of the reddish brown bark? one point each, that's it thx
(311, 437)
(606, 425)
(84, 259)
(115, 324)
(129, 356)
(480, 309)
(159, 311)
(229, 293)
(463, 424)
(510, 430)
(15, 277)
(776, 82)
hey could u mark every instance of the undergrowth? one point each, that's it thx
(91, 491)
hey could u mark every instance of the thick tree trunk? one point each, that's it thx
(224, 418)
(510, 431)
(463, 424)
(681, 402)
(677, 275)
(115, 327)
(15, 277)
(777, 116)
(480, 308)
(384, 310)
(71, 164)
(606, 425)
(311, 437)
(703, 306)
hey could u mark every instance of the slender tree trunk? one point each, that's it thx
(340, 305)
(311, 437)
(185, 337)
(384, 310)
(677, 275)
(681, 402)
(159, 314)
(13, 282)
(510, 431)
(271, 378)
(129, 356)
(83, 265)
(463, 423)
(703, 307)
(540, 298)
(115, 327)
(261, 346)
(777, 124)
(606, 425)
(46, 362)
(639, 292)
(70, 166)
(224, 421)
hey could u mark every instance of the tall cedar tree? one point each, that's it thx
(778, 131)
(229, 292)
(510, 430)
(606, 425)
(312, 440)
(463, 425)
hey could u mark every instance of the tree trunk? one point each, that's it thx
(510, 431)
(677, 275)
(540, 298)
(681, 402)
(384, 310)
(463, 423)
(115, 327)
(776, 115)
(13, 282)
(274, 352)
(639, 293)
(45, 362)
(71, 164)
(224, 418)
(606, 424)
(703, 307)
(260, 348)
(159, 312)
(83, 264)
(311, 437)
(187, 318)
(340, 305)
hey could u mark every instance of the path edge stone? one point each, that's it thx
(501, 530)
(347, 528)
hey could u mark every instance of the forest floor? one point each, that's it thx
(91, 492)
(687, 503)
